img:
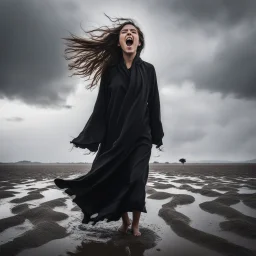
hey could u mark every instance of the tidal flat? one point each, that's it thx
(192, 209)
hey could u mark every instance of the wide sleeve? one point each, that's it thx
(157, 132)
(93, 132)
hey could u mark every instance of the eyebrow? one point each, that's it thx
(130, 29)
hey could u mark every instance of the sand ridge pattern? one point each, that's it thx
(238, 223)
(35, 215)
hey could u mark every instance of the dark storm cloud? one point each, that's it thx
(33, 69)
(219, 13)
(32, 66)
(14, 119)
(232, 70)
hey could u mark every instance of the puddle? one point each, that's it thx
(50, 194)
(194, 186)
(220, 191)
(244, 209)
(246, 190)
(13, 232)
(169, 240)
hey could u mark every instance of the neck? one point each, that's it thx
(128, 59)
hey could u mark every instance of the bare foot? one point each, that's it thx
(135, 231)
(124, 227)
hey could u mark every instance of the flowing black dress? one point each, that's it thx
(125, 122)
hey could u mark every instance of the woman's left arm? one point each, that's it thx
(155, 111)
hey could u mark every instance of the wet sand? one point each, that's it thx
(195, 209)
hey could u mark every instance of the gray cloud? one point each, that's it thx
(32, 66)
(33, 69)
(232, 67)
(188, 134)
(14, 119)
(232, 70)
(199, 125)
(68, 106)
(218, 13)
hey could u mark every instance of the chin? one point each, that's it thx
(130, 51)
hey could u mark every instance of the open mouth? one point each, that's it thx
(129, 41)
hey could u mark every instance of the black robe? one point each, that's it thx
(125, 122)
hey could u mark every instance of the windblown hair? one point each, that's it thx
(100, 51)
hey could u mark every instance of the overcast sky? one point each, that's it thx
(204, 53)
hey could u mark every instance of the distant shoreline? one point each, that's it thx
(189, 163)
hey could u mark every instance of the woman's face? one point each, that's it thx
(129, 39)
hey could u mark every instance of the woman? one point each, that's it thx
(124, 124)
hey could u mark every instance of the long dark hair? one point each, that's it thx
(100, 51)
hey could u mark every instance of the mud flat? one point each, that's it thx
(207, 209)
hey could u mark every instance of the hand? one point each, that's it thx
(160, 147)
